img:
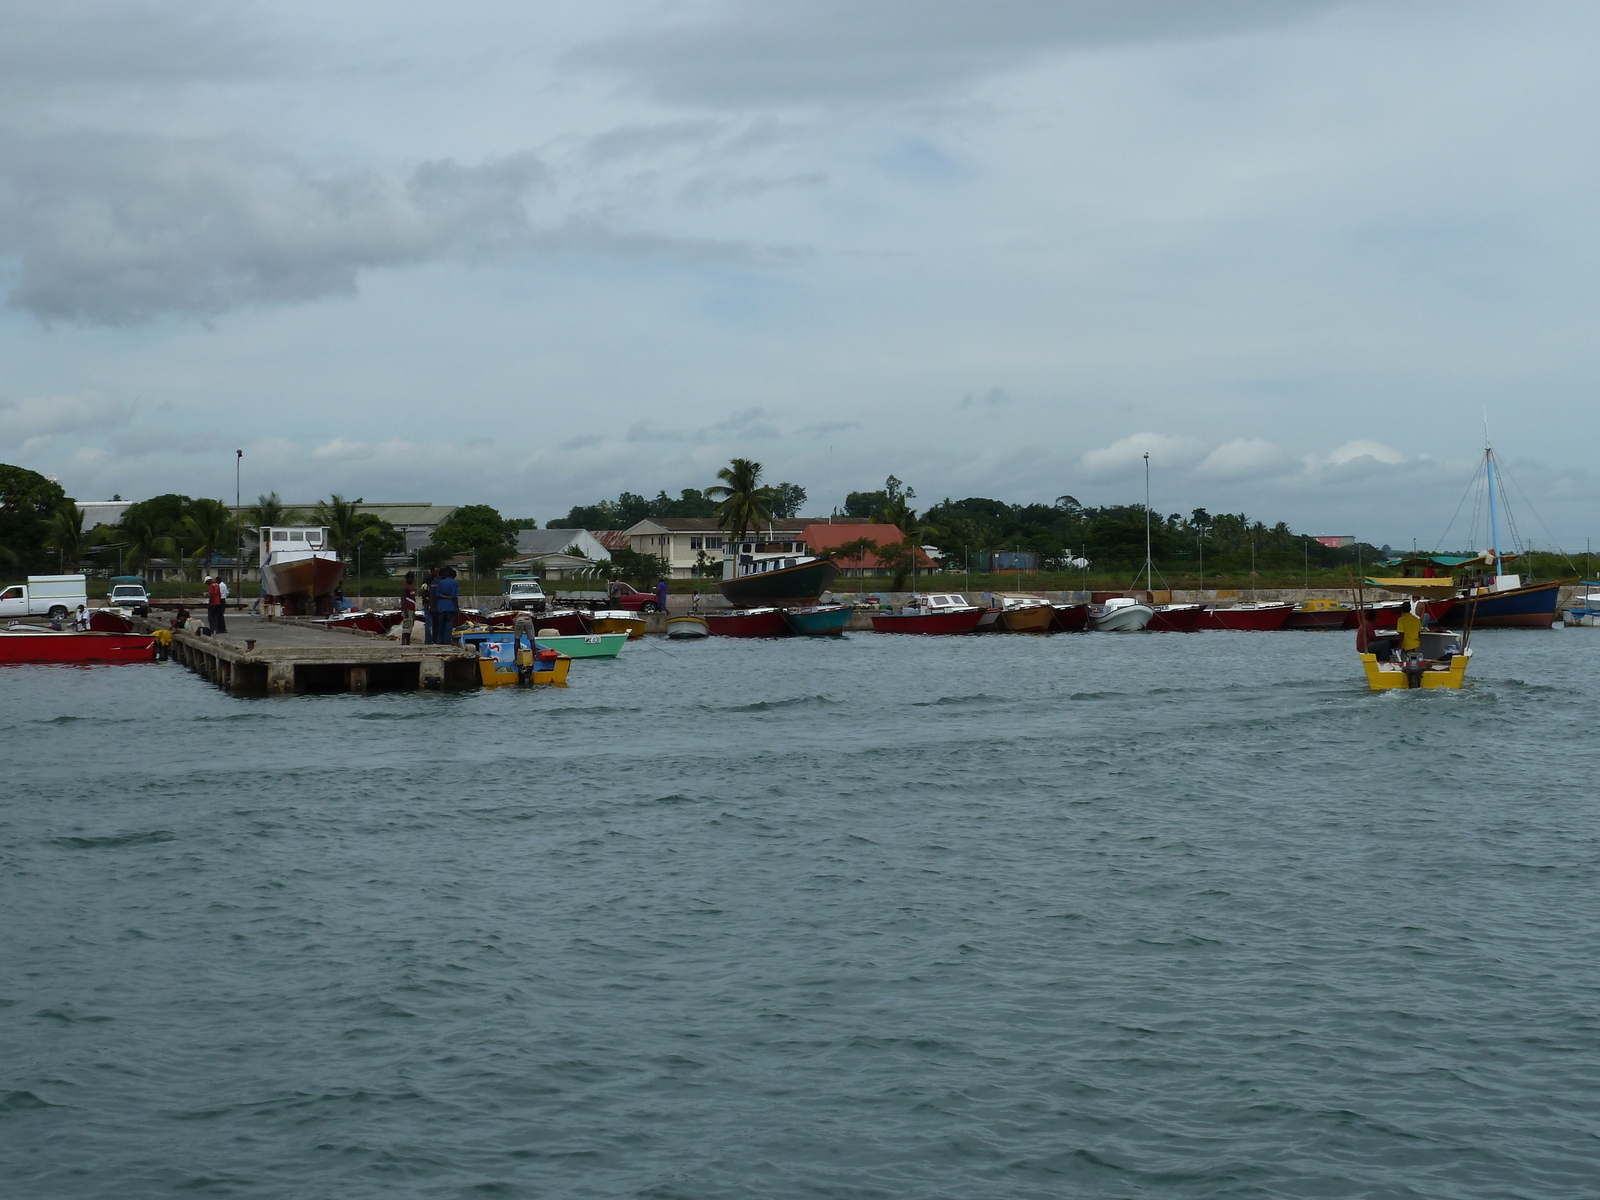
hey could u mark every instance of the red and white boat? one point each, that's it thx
(1069, 618)
(1247, 616)
(931, 612)
(298, 571)
(31, 644)
(748, 623)
(1176, 618)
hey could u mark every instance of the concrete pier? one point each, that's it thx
(278, 658)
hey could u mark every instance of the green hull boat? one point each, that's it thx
(586, 645)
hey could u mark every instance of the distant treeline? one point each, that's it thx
(630, 508)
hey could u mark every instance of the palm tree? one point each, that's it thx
(855, 552)
(346, 529)
(145, 539)
(745, 501)
(269, 510)
(206, 528)
(64, 532)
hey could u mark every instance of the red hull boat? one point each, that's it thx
(48, 646)
(1069, 618)
(107, 620)
(1246, 616)
(751, 623)
(1176, 618)
(963, 620)
(1384, 614)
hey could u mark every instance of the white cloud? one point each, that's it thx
(1350, 452)
(1165, 450)
(31, 422)
(1245, 458)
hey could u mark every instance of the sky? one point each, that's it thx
(533, 255)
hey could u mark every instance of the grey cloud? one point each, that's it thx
(119, 228)
(824, 428)
(22, 421)
(630, 141)
(758, 53)
(993, 398)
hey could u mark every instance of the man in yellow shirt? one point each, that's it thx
(1409, 627)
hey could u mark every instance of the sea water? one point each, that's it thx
(1003, 916)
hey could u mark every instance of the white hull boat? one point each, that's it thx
(1120, 614)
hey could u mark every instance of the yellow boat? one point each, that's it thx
(617, 620)
(1440, 662)
(502, 664)
(1021, 612)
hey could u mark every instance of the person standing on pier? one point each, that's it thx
(430, 583)
(214, 606)
(408, 608)
(446, 595)
(661, 595)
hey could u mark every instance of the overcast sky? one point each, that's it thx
(531, 255)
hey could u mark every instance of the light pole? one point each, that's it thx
(238, 523)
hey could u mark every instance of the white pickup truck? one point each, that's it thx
(53, 596)
(523, 591)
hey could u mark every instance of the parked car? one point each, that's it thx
(53, 596)
(622, 595)
(128, 591)
(523, 591)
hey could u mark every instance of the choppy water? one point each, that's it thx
(1176, 916)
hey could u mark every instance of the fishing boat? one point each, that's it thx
(822, 620)
(567, 622)
(109, 620)
(1440, 661)
(502, 662)
(1021, 612)
(748, 623)
(774, 578)
(1120, 614)
(1247, 616)
(931, 612)
(584, 645)
(615, 620)
(33, 644)
(1175, 618)
(1584, 611)
(298, 571)
(1069, 618)
(1321, 614)
(687, 627)
(368, 622)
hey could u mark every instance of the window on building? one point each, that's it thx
(713, 543)
(696, 543)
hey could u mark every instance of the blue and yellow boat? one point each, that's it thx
(502, 662)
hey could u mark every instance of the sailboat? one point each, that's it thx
(1484, 595)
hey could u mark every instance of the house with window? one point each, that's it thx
(826, 539)
(688, 542)
(556, 553)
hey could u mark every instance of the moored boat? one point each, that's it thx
(615, 620)
(748, 623)
(502, 662)
(1583, 611)
(1120, 614)
(1247, 617)
(1529, 606)
(1069, 618)
(1021, 612)
(109, 620)
(584, 645)
(823, 620)
(31, 644)
(1321, 614)
(775, 579)
(687, 627)
(931, 612)
(1175, 618)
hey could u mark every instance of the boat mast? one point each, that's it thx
(1494, 524)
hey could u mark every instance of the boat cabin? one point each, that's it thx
(279, 538)
(756, 563)
(938, 602)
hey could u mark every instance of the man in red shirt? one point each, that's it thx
(408, 607)
(215, 609)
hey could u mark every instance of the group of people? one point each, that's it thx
(440, 597)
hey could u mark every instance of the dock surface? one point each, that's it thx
(261, 656)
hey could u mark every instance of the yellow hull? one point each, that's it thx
(632, 626)
(491, 674)
(1383, 676)
(1034, 619)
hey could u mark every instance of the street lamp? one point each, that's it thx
(238, 523)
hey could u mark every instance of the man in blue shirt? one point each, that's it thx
(445, 602)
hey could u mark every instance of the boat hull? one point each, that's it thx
(617, 621)
(106, 620)
(760, 623)
(1176, 618)
(1130, 618)
(299, 577)
(1385, 676)
(792, 587)
(685, 629)
(1326, 618)
(1531, 607)
(48, 646)
(961, 620)
(587, 645)
(826, 621)
(1266, 618)
(1035, 618)
(1069, 618)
